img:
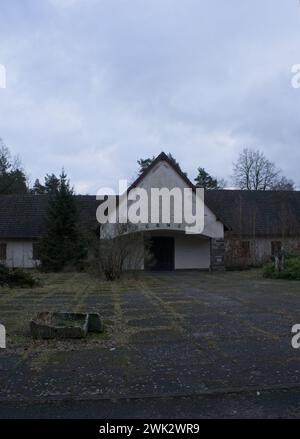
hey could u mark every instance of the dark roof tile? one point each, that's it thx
(23, 216)
(246, 213)
(258, 213)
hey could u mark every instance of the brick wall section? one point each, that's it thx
(217, 254)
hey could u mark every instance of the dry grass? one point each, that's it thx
(73, 292)
(81, 292)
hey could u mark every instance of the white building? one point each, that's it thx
(241, 228)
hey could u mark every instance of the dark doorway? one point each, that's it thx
(162, 252)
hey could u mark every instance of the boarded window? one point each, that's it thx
(276, 247)
(35, 251)
(245, 249)
(3, 247)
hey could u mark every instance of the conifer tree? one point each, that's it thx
(206, 181)
(50, 186)
(63, 245)
(12, 176)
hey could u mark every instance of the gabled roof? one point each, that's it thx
(245, 213)
(164, 157)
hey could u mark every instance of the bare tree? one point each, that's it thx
(253, 171)
(284, 184)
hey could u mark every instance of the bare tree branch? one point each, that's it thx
(254, 172)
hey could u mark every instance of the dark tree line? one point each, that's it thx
(51, 185)
(12, 176)
(251, 171)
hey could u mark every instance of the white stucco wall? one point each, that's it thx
(192, 252)
(19, 254)
(164, 176)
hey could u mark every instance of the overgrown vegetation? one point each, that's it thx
(290, 270)
(16, 278)
(125, 251)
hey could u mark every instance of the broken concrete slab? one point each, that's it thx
(59, 325)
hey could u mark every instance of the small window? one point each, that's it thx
(35, 251)
(245, 249)
(276, 247)
(3, 248)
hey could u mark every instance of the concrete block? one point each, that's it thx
(59, 325)
(95, 323)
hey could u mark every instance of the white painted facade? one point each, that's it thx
(19, 253)
(164, 176)
(191, 251)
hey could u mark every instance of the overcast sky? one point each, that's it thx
(93, 85)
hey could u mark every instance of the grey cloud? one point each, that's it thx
(93, 86)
